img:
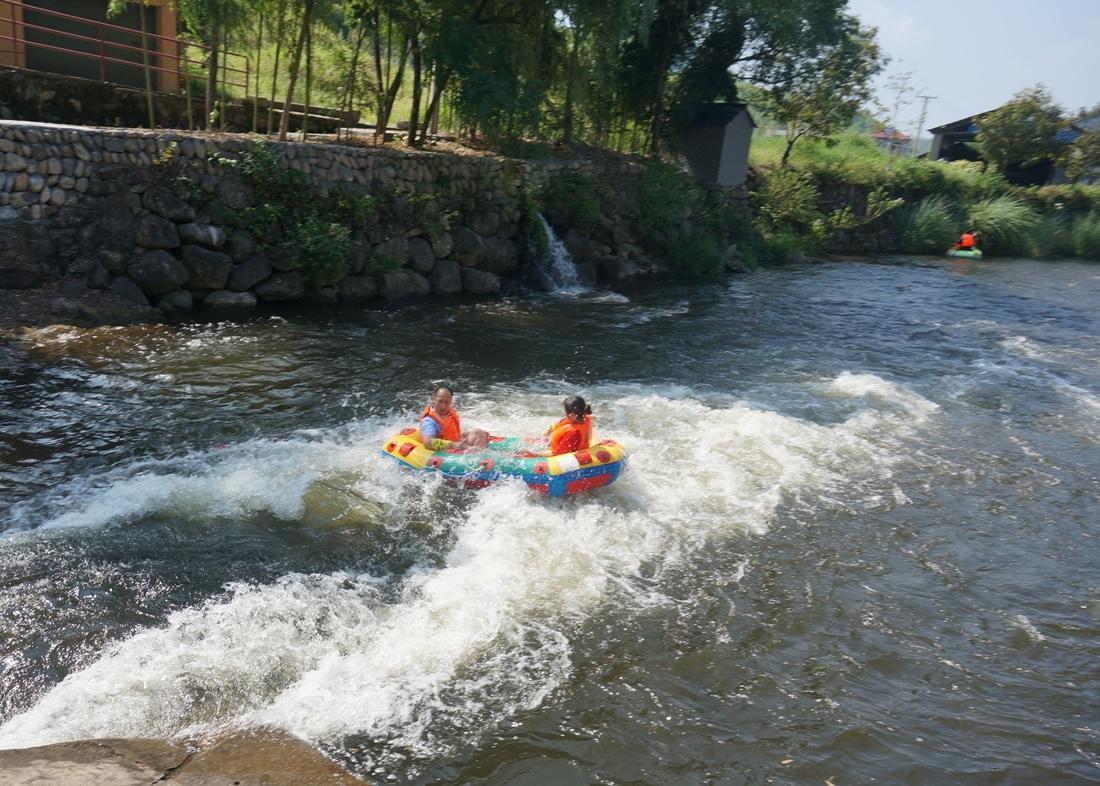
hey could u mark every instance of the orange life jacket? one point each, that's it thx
(966, 241)
(563, 428)
(449, 427)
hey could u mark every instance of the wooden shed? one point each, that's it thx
(716, 144)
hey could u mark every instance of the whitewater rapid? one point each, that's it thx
(445, 649)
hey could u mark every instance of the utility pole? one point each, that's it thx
(920, 123)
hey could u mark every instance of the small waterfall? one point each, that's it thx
(562, 270)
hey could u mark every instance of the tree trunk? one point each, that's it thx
(432, 117)
(284, 124)
(386, 106)
(212, 71)
(280, 33)
(658, 104)
(309, 78)
(379, 85)
(787, 150)
(145, 62)
(225, 79)
(571, 78)
(256, 98)
(349, 90)
(414, 113)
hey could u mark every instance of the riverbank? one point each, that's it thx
(259, 758)
(171, 220)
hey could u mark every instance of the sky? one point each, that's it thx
(974, 55)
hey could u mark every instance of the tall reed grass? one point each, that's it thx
(1084, 236)
(928, 227)
(1005, 224)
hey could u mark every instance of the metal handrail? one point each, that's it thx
(179, 57)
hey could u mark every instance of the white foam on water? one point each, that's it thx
(1024, 624)
(450, 649)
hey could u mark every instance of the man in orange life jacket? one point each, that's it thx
(574, 431)
(440, 427)
(967, 242)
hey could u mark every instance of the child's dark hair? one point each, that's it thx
(575, 405)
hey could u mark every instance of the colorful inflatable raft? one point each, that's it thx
(973, 253)
(510, 457)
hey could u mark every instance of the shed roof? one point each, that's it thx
(958, 126)
(720, 113)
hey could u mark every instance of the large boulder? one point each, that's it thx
(394, 251)
(402, 283)
(579, 247)
(234, 192)
(421, 256)
(485, 223)
(282, 287)
(249, 273)
(441, 245)
(615, 268)
(156, 232)
(208, 269)
(479, 282)
(128, 290)
(157, 272)
(25, 253)
(241, 245)
(113, 229)
(501, 256)
(446, 277)
(167, 205)
(203, 234)
(469, 246)
(223, 298)
(176, 300)
(358, 288)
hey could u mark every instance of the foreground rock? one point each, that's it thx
(247, 758)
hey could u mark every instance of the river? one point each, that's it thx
(856, 542)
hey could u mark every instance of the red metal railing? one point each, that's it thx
(176, 55)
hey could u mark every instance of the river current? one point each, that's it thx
(856, 542)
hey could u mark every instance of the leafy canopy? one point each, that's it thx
(1023, 131)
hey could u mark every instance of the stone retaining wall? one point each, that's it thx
(158, 218)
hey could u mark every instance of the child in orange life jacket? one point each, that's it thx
(574, 431)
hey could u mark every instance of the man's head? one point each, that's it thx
(443, 400)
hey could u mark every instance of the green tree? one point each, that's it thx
(824, 92)
(1082, 157)
(693, 50)
(1023, 131)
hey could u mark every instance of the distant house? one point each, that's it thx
(1085, 124)
(716, 144)
(76, 38)
(892, 141)
(950, 141)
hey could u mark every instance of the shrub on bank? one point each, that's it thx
(1049, 237)
(1084, 236)
(928, 227)
(1005, 224)
(576, 196)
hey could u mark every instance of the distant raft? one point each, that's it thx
(510, 457)
(971, 253)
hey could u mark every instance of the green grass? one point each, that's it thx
(855, 160)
